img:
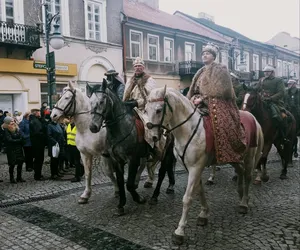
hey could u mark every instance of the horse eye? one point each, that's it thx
(158, 111)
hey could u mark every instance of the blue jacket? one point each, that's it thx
(25, 132)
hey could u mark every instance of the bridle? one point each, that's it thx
(160, 126)
(252, 105)
(67, 109)
(115, 119)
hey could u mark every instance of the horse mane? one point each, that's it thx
(173, 95)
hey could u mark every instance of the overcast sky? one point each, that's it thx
(257, 19)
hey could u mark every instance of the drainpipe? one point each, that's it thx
(124, 20)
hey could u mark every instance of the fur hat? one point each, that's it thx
(7, 120)
(211, 48)
(34, 110)
(138, 61)
(268, 68)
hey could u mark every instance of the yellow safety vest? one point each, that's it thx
(71, 135)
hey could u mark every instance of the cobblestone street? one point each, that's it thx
(45, 215)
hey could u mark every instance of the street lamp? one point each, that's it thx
(56, 41)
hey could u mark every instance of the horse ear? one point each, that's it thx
(71, 85)
(104, 84)
(165, 91)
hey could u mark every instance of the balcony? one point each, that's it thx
(189, 68)
(19, 35)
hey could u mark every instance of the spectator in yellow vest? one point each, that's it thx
(74, 154)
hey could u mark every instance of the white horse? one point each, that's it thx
(167, 108)
(74, 103)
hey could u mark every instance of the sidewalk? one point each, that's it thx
(31, 189)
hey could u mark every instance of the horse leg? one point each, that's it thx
(171, 175)
(240, 170)
(161, 177)
(211, 179)
(263, 161)
(203, 215)
(193, 181)
(109, 171)
(296, 148)
(122, 195)
(87, 162)
(133, 165)
(151, 166)
(143, 162)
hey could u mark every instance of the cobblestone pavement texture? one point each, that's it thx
(56, 221)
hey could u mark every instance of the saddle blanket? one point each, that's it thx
(140, 129)
(247, 122)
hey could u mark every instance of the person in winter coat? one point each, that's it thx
(38, 138)
(14, 149)
(25, 131)
(56, 135)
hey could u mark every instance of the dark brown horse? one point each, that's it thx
(254, 104)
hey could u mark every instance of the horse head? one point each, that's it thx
(252, 99)
(158, 111)
(66, 105)
(102, 104)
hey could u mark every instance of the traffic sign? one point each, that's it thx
(37, 65)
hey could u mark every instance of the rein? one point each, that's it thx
(115, 120)
(166, 103)
(66, 110)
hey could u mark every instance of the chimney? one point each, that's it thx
(151, 3)
(206, 16)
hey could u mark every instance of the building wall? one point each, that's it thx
(113, 16)
(77, 18)
(285, 40)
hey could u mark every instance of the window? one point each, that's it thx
(224, 58)
(279, 68)
(95, 20)
(44, 91)
(136, 43)
(190, 52)
(255, 62)
(7, 11)
(237, 59)
(284, 70)
(263, 62)
(53, 8)
(153, 47)
(270, 61)
(247, 61)
(168, 50)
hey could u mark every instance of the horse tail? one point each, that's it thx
(259, 142)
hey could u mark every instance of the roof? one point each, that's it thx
(221, 29)
(147, 14)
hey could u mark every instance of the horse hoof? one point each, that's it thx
(209, 182)
(243, 210)
(234, 178)
(148, 184)
(153, 201)
(283, 177)
(202, 221)
(177, 239)
(257, 182)
(296, 155)
(83, 200)
(117, 194)
(170, 190)
(265, 178)
(120, 211)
